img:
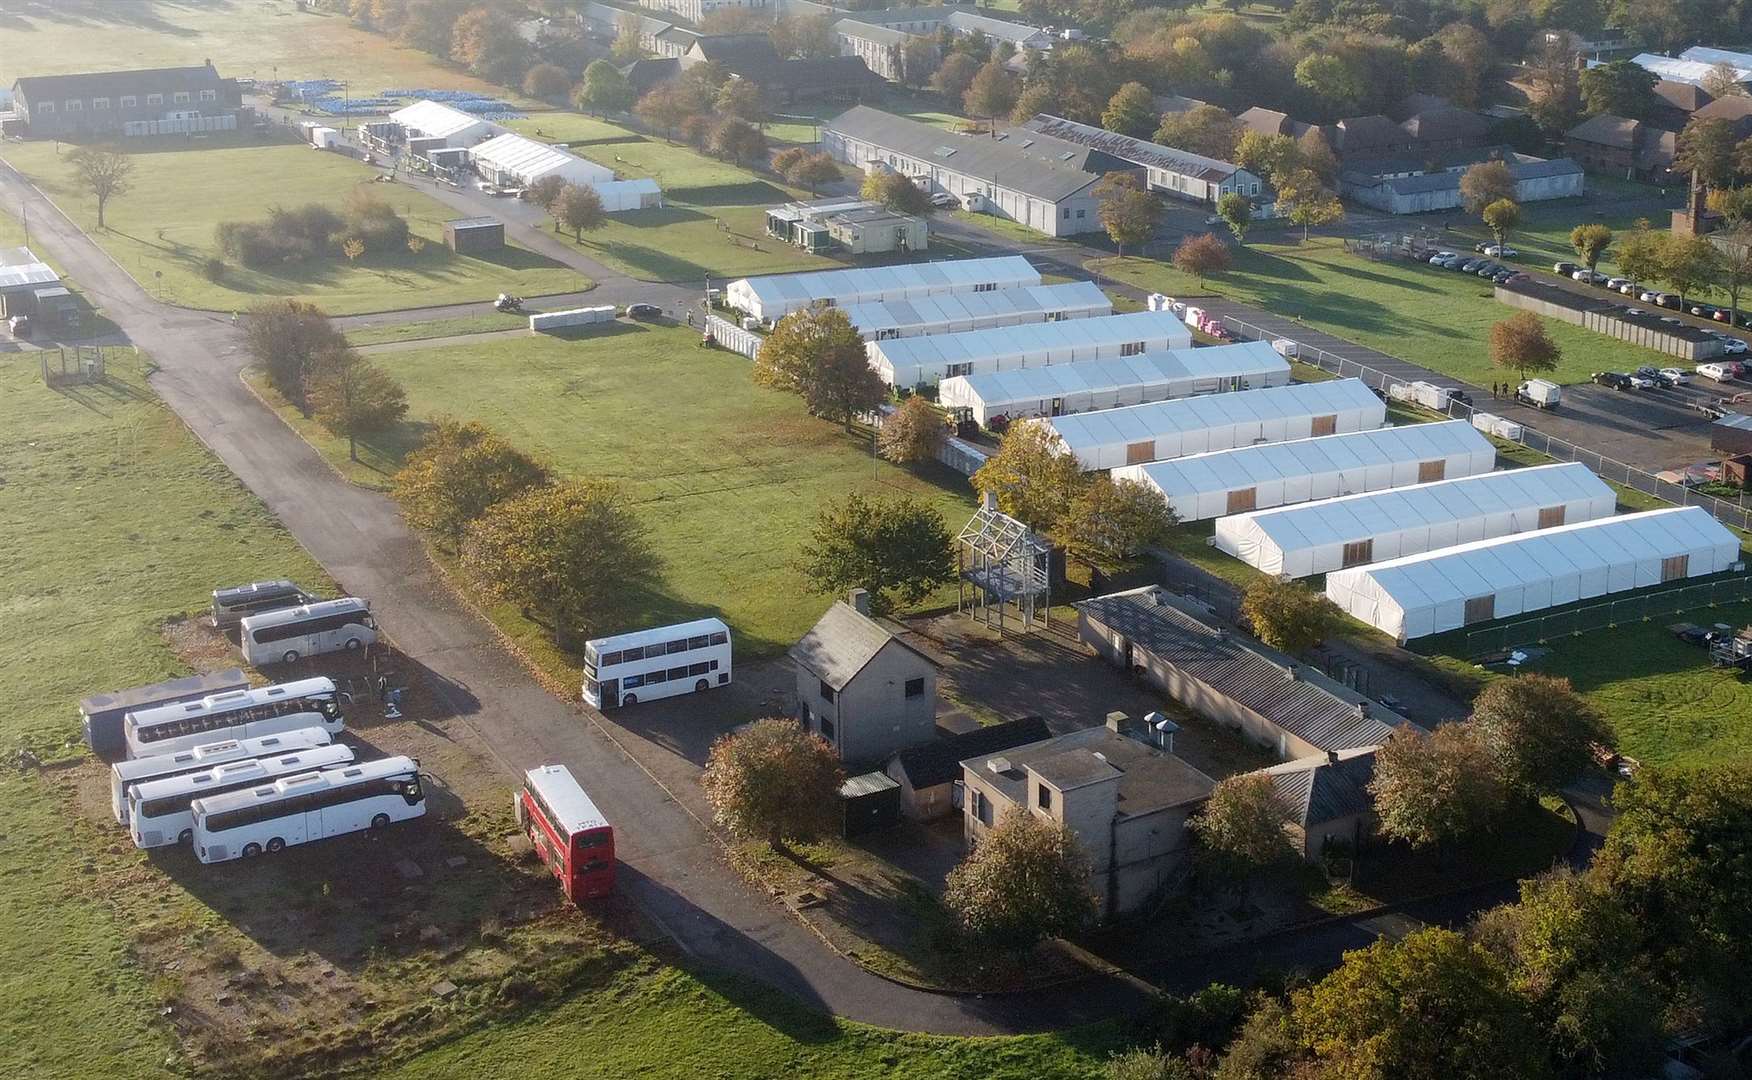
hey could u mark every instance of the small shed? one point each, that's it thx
(870, 802)
(1732, 434)
(470, 236)
(1737, 470)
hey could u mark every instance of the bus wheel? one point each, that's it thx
(702, 686)
(251, 850)
(353, 644)
(276, 844)
(187, 836)
(291, 656)
(629, 699)
(381, 821)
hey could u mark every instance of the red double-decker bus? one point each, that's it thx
(571, 835)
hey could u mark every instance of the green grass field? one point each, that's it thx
(161, 228)
(728, 476)
(1433, 317)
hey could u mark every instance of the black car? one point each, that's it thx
(644, 312)
(1614, 379)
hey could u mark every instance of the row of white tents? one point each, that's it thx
(913, 361)
(773, 296)
(956, 313)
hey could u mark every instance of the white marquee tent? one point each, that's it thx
(1318, 537)
(434, 120)
(617, 195)
(1170, 429)
(774, 296)
(910, 361)
(1115, 382)
(514, 160)
(1204, 486)
(960, 312)
(1512, 575)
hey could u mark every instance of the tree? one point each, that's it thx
(1430, 1007)
(353, 398)
(578, 207)
(1317, 156)
(1269, 156)
(1621, 88)
(1307, 202)
(546, 191)
(896, 192)
(106, 174)
(818, 355)
(992, 93)
(918, 61)
(1200, 255)
(1733, 204)
(352, 247)
(1241, 829)
(954, 75)
(1723, 80)
(1706, 150)
(1026, 880)
(743, 100)
(815, 170)
(1540, 733)
(457, 472)
(1688, 264)
(1639, 252)
(1432, 790)
(738, 140)
(665, 106)
(1590, 242)
(1204, 129)
(547, 82)
(1557, 95)
(897, 548)
(1500, 217)
(486, 40)
(805, 37)
(1236, 210)
(1520, 342)
(1287, 615)
(1733, 265)
(1034, 482)
(604, 89)
(912, 434)
(1109, 521)
(1485, 183)
(573, 553)
(285, 337)
(1334, 79)
(1265, 1048)
(1128, 212)
(1131, 111)
(774, 780)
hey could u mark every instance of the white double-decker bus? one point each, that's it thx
(125, 774)
(236, 714)
(307, 806)
(324, 627)
(662, 662)
(158, 811)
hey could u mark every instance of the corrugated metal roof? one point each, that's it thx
(1006, 162)
(1295, 698)
(1183, 162)
(1318, 790)
(870, 783)
(1081, 432)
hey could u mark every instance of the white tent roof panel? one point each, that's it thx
(774, 296)
(1443, 590)
(619, 195)
(436, 120)
(529, 161)
(1311, 538)
(908, 361)
(957, 312)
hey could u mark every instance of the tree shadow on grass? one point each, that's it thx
(752, 193)
(140, 15)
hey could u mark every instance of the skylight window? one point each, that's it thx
(944, 151)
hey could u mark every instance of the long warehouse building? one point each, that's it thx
(1335, 534)
(1210, 485)
(1170, 429)
(1475, 583)
(960, 312)
(1114, 383)
(918, 360)
(773, 296)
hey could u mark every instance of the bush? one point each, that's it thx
(214, 269)
(312, 231)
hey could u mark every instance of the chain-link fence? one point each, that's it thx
(1686, 599)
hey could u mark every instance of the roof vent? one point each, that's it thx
(1099, 756)
(1292, 672)
(1363, 710)
(998, 765)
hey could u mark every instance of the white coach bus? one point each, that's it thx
(311, 630)
(236, 714)
(307, 806)
(158, 811)
(124, 775)
(662, 662)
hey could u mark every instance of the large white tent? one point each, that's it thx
(1203, 486)
(911, 361)
(514, 160)
(1318, 537)
(1169, 429)
(1115, 382)
(435, 120)
(1512, 575)
(774, 296)
(959, 312)
(617, 195)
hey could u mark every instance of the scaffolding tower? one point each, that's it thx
(1001, 562)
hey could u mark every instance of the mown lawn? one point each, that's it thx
(1437, 318)
(437, 328)
(728, 476)
(165, 226)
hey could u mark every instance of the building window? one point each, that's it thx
(982, 807)
(45, 106)
(181, 97)
(74, 105)
(1082, 214)
(209, 95)
(1140, 453)
(1067, 213)
(99, 103)
(1043, 797)
(826, 691)
(129, 101)
(154, 99)
(1550, 517)
(826, 727)
(953, 370)
(915, 688)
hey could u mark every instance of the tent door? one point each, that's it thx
(1058, 406)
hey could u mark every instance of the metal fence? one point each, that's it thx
(1729, 513)
(733, 337)
(1542, 628)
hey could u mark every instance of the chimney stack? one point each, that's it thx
(1363, 710)
(1332, 757)
(1292, 672)
(1117, 722)
(860, 601)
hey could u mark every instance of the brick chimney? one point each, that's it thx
(860, 601)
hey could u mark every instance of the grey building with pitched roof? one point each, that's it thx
(1180, 173)
(862, 686)
(1123, 798)
(927, 773)
(1327, 798)
(1229, 678)
(1422, 183)
(128, 102)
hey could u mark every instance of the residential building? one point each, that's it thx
(1174, 104)
(1599, 45)
(929, 774)
(1365, 135)
(1043, 183)
(1272, 122)
(968, 23)
(1327, 797)
(882, 48)
(1180, 173)
(657, 36)
(154, 101)
(695, 11)
(862, 685)
(783, 82)
(1677, 102)
(1229, 678)
(1416, 184)
(857, 225)
(1125, 800)
(1736, 109)
(1619, 146)
(1446, 127)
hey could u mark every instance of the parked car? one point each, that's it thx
(1668, 300)
(1722, 314)
(1437, 259)
(1490, 269)
(1671, 321)
(1720, 371)
(1630, 288)
(1480, 246)
(1470, 266)
(1565, 268)
(1517, 276)
(1500, 251)
(1703, 311)
(1614, 379)
(18, 326)
(1639, 381)
(1503, 277)
(1649, 296)
(1735, 346)
(644, 312)
(1617, 284)
(948, 201)
(1675, 376)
